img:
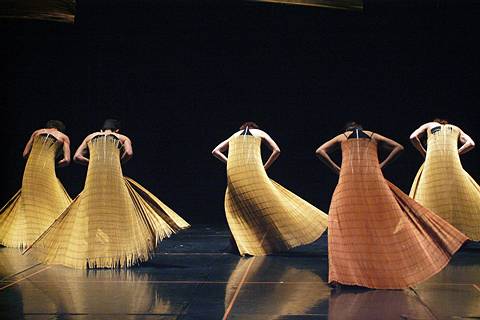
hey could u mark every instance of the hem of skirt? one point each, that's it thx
(118, 262)
(245, 252)
(124, 261)
(16, 245)
(334, 280)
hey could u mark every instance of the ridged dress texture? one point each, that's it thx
(113, 222)
(443, 186)
(263, 216)
(378, 236)
(39, 202)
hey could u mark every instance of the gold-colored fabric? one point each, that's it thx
(378, 236)
(40, 201)
(51, 10)
(263, 216)
(443, 186)
(114, 222)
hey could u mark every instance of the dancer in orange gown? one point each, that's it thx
(378, 236)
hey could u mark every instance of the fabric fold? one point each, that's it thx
(263, 216)
(378, 236)
(113, 223)
(40, 201)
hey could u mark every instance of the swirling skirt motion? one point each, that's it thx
(263, 216)
(40, 201)
(118, 232)
(443, 186)
(378, 236)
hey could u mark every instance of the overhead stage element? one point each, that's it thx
(356, 5)
(51, 10)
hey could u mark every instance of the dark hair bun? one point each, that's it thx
(250, 125)
(111, 124)
(57, 124)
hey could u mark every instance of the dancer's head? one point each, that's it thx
(352, 125)
(111, 124)
(55, 124)
(250, 125)
(441, 121)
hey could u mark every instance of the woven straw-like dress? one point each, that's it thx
(443, 186)
(39, 202)
(113, 222)
(263, 216)
(378, 236)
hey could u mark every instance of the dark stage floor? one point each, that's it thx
(194, 277)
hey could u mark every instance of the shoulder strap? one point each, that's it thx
(246, 132)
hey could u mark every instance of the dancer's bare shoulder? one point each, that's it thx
(60, 136)
(259, 133)
(123, 138)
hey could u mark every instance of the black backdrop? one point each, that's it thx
(183, 75)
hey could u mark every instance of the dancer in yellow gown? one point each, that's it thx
(263, 216)
(441, 184)
(42, 197)
(114, 221)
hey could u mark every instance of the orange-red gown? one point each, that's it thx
(378, 236)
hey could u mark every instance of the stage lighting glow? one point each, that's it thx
(356, 5)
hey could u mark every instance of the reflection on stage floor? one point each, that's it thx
(194, 276)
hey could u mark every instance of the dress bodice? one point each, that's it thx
(243, 150)
(445, 135)
(44, 144)
(104, 147)
(44, 150)
(359, 154)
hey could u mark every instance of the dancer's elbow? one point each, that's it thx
(78, 158)
(320, 153)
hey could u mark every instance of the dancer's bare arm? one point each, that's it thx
(218, 151)
(65, 161)
(467, 143)
(323, 153)
(28, 146)
(271, 144)
(127, 148)
(415, 138)
(79, 156)
(389, 144)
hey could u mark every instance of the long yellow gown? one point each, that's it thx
(40, 201)
(443, 186)
(263, 216)
(114, 222)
